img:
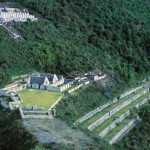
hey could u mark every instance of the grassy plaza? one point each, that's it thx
(40, 98)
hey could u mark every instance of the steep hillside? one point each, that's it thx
(138, 138)
(80, 36)
(12, 134)
(74, 106)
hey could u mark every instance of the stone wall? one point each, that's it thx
(14, 87)
(75, 88)
(113, 124)
(21, 16)
(23, 116)
(4, 104)
(142, 102)
(19, 78)
(121, 132)
(93, 112)
(11, 104)
(2, 93)
(122, 117)
(26, 112)
(21, 112)
(37, 117)
(130, 91)
(57, 101)
(116, 109)
(16, 101)
(60, 88)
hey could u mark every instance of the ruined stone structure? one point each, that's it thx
(50, 82)
(14, 14)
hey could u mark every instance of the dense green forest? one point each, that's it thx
(79, 36)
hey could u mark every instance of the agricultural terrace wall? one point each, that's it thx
(121, 132)
(93, 112)
(116, 109)
(113, 124)
(130, 91)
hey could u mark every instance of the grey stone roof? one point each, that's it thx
(48, 75)
(91, 76)
(5, 10)
(37, 80)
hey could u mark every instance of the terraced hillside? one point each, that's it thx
(115, 120)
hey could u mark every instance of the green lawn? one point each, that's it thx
(40, 98)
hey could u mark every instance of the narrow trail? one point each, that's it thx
(9, 28)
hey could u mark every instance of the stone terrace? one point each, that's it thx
(115, 120)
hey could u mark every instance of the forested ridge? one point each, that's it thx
(80, 36)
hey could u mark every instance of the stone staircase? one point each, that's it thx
(31, 114)
(12, 31)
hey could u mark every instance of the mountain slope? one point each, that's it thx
(84, 35)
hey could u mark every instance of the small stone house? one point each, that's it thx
(38, 82)
(96, 77)
(14, 14)
(44, 80)
(51, 77)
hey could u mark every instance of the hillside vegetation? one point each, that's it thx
(79, 36)
(12, 134)
(74, 106)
